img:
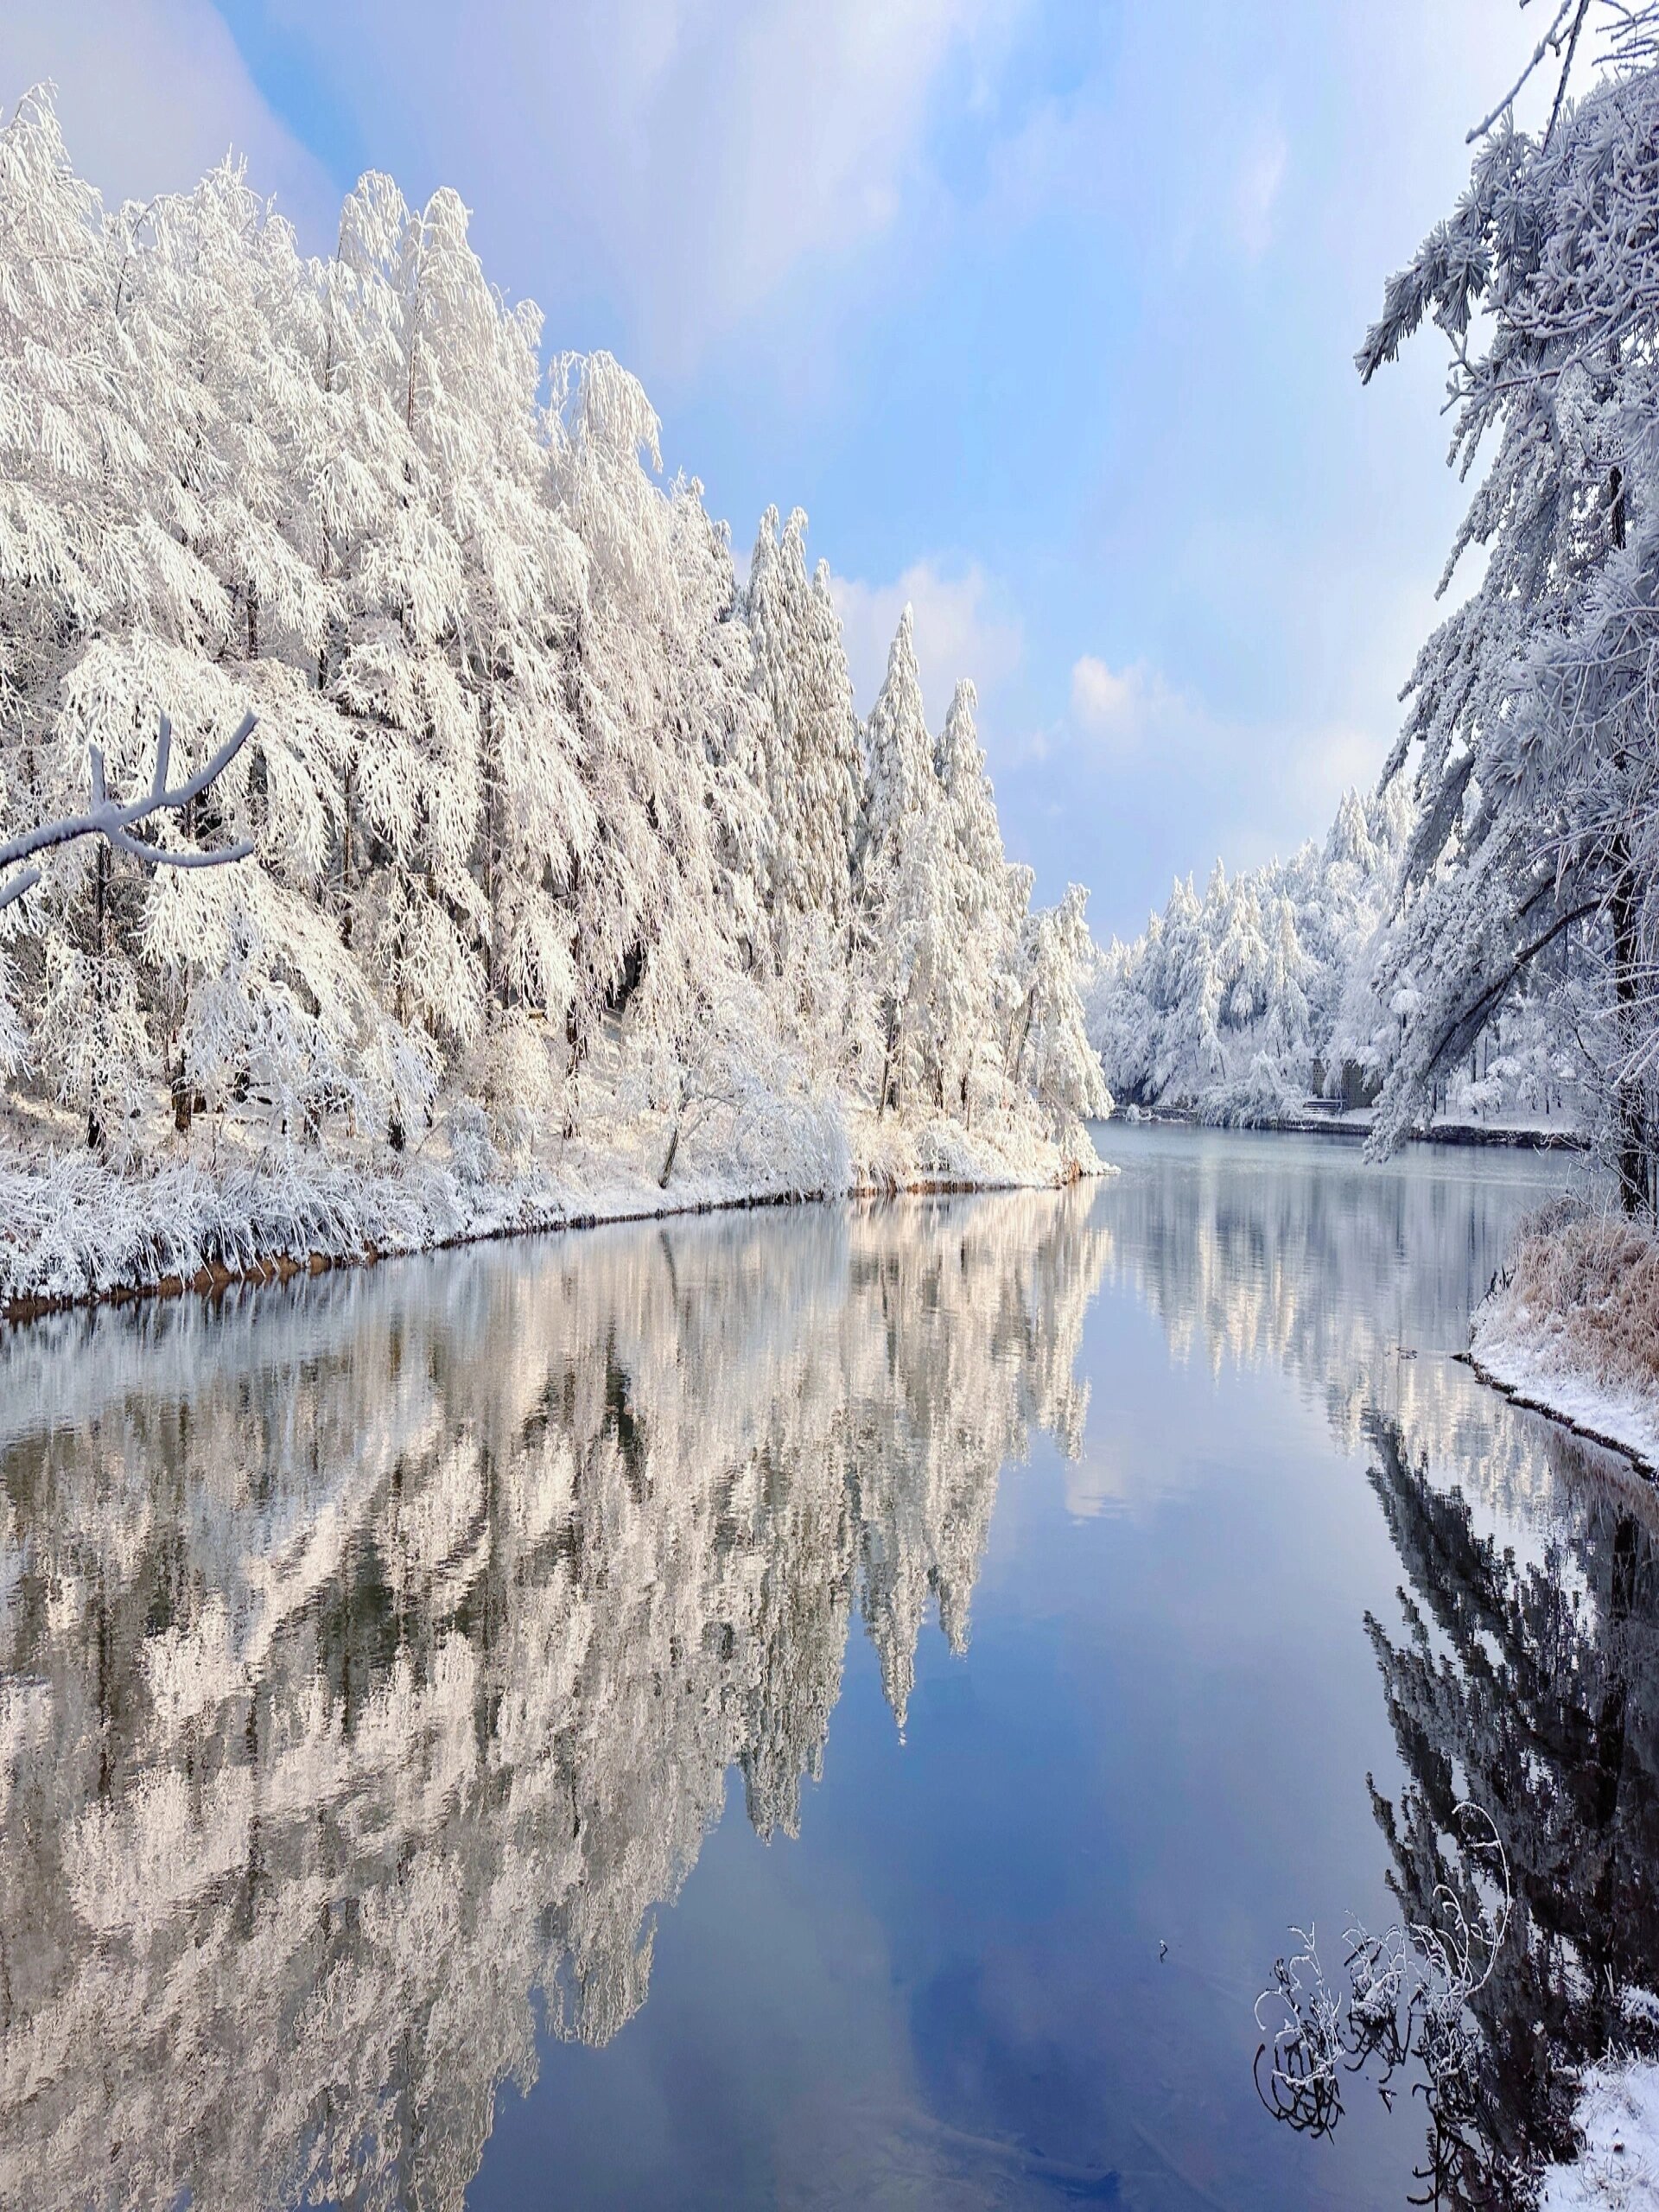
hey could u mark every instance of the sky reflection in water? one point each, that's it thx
(772, 1683)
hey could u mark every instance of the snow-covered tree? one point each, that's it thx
(813, 770)
(901, 850)
(1051, 1052)
(555, 834)
(1529, 733)
(983, 983)
(900, 764)
(1241, 1005)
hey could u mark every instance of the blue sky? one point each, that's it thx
(1044, 313)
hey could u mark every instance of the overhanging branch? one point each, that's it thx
(1468, 1023)
(114, 821)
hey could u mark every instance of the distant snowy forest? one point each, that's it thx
(562, 837)
(1231, 1006)
(1267, 997)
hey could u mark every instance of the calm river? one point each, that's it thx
(823, 1706)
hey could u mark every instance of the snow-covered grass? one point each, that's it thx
(1574, 1327)
(72, 1226)
(1618, 2168)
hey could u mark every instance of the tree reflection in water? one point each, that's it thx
(372, 1656)
(1528, 1688)
(1521, 1674)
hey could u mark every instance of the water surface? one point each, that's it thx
(826, 1706)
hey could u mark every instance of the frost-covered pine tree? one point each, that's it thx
(1051, 1054)
(901, 787)
(900, 761)
(1529, 733)
(985, 899)
(813, 771)
(829, 753)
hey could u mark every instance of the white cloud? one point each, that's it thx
(151, 93)
(692, 153)
(1120, 708)
(962, 628)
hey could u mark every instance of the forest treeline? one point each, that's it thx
(559, 827)
(1268, 995)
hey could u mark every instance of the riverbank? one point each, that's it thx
(75, 1229)
(1572, 1328)
(1618, 2168)
(1520, 1132)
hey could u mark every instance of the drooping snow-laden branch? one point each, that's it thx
(1469, 1021)
(115, 820)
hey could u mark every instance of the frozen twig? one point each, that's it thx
(1553, 38)
(1408, 1992)
(115, 820)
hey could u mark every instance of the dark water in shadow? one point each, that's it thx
(823, 1707)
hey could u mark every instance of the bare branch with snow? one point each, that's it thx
(115, 820)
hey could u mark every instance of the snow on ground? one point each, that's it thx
(1518, 1128)
(1574, 1328)
(72, 1226)
(1617, 2168)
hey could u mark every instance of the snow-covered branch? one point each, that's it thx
(115, 820)
(1552, 42)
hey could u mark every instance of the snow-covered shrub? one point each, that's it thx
(1402, 2006)
(1574, 1322)
(473, 1157)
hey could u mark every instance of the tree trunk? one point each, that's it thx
(668, 1165)
(346, 856)
(1025, 1034)
(1633, 1145)
(101, 938)
(492, 780)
